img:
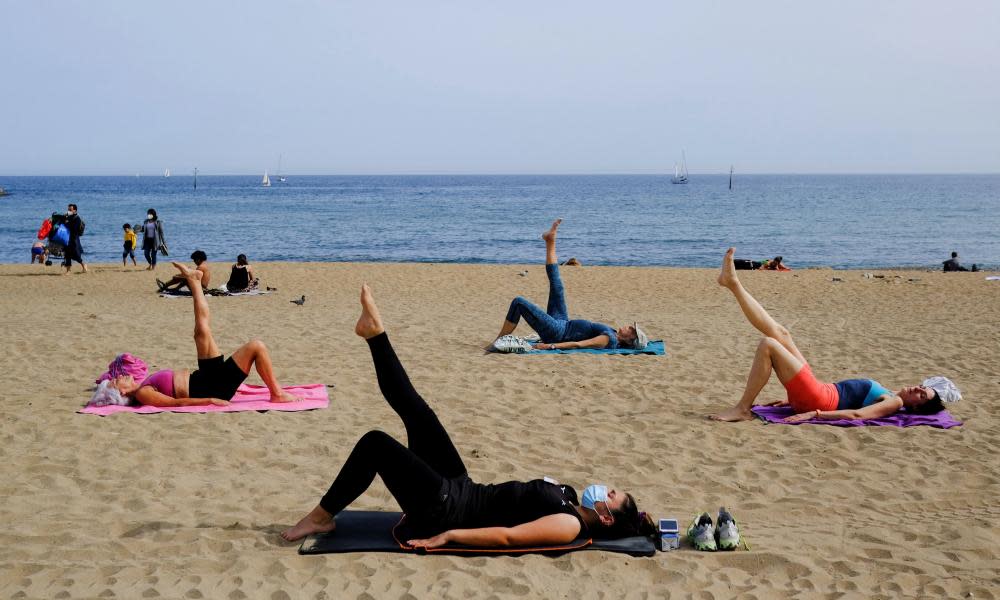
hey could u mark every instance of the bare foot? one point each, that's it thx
(732, 415)
(189, 274)
(370, 322)
(550, 235)
(284, 396)
(727, 278)
(317, 521)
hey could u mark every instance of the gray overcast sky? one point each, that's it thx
(121, 87)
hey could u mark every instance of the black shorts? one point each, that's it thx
(216, 378)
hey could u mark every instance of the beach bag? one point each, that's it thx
(43, 231)
(125, 364)
(743, 264)
(62, 234)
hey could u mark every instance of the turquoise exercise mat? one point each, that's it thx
(655, 347)
(373, 531)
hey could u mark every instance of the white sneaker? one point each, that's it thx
(511, 344)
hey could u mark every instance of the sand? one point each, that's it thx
(189, 505)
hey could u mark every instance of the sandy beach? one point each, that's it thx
(190, 505)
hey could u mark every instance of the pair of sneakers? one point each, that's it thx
(723, 535)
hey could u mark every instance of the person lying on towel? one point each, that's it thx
(807, 396)
(216, 379)
(554, 327)
(431, 483)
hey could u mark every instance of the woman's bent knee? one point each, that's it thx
(768, 344)
(375, 439)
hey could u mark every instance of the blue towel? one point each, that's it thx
(655, 347)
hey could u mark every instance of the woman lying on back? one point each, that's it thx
(430, 482)
(809, 397)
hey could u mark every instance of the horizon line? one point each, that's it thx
(507, 174)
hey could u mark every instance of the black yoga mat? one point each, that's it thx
(372, 531)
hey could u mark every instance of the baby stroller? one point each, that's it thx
(49, 232)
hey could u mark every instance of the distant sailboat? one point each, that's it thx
(166, 173)
(680, 172)
(730, 176)
(196, 178)
(266, 182)
(281, 178)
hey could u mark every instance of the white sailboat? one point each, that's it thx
(281, 178)
(166, 173)
(266, 182)
(681, 172)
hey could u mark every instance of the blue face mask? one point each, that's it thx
(593, 494)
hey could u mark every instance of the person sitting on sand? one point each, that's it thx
(808, 397)
(431, 483)
(241, 277)
(178, 282)
(554, 326)
(216, 380)
(774, 264)
(952, 265)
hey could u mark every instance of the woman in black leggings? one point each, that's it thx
(431, 484)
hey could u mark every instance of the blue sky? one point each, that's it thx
(499, 87)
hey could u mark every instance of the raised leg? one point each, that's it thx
(425, 434)
(203, 340)
(771, 355)
(550, 243)
(752, 309)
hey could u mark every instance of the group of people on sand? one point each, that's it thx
(241, 277)
(427, 476)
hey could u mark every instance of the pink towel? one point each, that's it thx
(248, 397)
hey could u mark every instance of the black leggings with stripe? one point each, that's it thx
(413, 473)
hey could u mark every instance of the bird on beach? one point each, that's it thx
(300, 301)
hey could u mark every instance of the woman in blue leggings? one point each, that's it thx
(553, 325)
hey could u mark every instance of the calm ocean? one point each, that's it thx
(843, 221)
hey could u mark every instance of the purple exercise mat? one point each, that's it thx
(942, 420)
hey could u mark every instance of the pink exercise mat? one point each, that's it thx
(248, 397)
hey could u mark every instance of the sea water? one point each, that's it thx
(841, 221)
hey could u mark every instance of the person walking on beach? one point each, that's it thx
(74, 249)
(431, 483)
(553, 325)
(128, 245)
(178, 282)
(808, 397)
(153, 240)
(216, 379)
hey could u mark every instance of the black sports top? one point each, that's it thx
(239, 278)
(467, 504)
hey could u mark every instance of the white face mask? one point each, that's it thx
(150, 216)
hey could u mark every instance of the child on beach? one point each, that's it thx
(128, 246)
(38, 252)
